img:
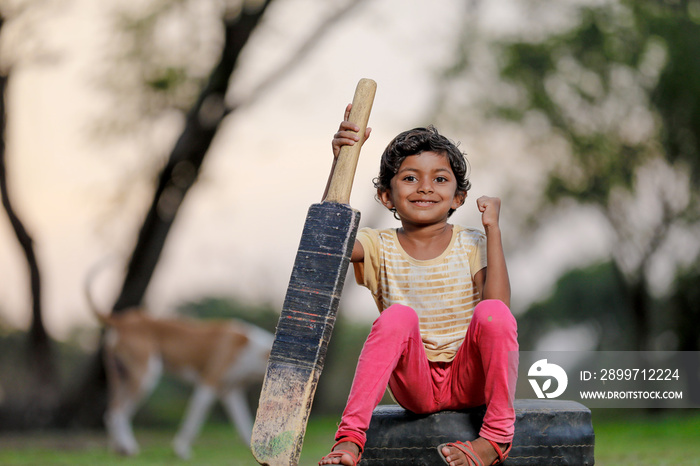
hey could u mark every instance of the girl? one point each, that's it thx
(445, 337)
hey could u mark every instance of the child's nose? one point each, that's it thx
(425, 186)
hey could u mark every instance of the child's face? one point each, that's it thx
(423, 190)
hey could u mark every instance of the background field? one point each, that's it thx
(630, 438)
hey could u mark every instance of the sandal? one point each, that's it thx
(339, 453)
(472, 458)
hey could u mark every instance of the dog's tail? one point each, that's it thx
(89, 278)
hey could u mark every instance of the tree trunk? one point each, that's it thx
(185, 161)
(86, 405)
(40, 360)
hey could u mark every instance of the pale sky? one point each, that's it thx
(238, 231)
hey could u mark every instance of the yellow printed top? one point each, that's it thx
(441, 290)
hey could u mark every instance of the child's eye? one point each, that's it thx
(441, 179)
(409, 178)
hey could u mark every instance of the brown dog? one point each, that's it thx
(220, 358)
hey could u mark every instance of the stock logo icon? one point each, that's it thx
(543, 370)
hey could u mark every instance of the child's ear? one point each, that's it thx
(458, 200)
(384, 196)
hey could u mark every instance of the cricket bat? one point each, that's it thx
(310, 307)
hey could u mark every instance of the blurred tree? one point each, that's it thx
(170, 84)
(40, 358)
(176, 178)
(167, 87)
(589, 300)
(611, 97)
(685, 301)
(183, 166)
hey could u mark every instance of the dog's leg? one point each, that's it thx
(129, 386)
(121, 406)
(197, 410)
(236, 406)
(118, 424)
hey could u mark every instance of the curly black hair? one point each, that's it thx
(416, 141)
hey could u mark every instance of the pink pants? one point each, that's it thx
(483, 372)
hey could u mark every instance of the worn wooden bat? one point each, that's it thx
(310, 307)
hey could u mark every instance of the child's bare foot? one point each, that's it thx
(345, 453)
(481, 447)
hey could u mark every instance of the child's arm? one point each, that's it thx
(346, 136)
(493, 281)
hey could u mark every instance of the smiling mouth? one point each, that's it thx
(423, 203)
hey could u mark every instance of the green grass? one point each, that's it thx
(629, 438)
(218, 444)
(662, 438)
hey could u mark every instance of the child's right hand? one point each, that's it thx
(347, 133)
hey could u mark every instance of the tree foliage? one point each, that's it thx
(599, 83)
(616, 94)
(621, 89)
(590, 301)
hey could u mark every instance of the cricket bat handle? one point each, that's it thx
(341, 182)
